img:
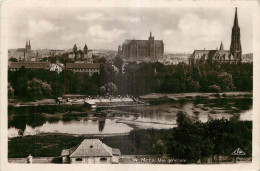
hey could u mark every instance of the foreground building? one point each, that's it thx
(139, 49)
(91, 151)
(234, 55)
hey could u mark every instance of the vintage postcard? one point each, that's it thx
(129, 85)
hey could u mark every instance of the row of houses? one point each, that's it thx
(58, 67)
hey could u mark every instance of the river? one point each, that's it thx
(123, 120)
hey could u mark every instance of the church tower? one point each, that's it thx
(28, 46)
(235, 46)
(151, 45)
(221, 48)
(85, 49)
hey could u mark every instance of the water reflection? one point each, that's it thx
(75, 127)
(112, 121)
(101, 124)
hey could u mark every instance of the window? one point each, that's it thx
(78, 159)
(103, 159)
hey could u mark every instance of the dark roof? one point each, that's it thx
(82, 66)
(209, 54)
(92, 148)
(30, 65)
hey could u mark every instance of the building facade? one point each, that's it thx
(80, 55)
(22, 54)
(91, 151)
(14, 66)
(221, 55)
(138, 49)
(57, 67)
(84, 67)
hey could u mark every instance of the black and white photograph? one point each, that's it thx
(156, 83)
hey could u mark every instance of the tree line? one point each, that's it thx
(133, 79)
(146, 78)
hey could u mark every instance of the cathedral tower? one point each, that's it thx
(151, 45)
(235, 46)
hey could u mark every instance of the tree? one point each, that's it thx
(118, 62)
(226, 82)
(38, 89)
(102, 60)
(214, 88)
(109, 89)
(10, 91)
(13, 60)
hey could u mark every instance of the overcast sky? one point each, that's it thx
(181, 29)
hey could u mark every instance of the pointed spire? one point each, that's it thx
(29, 42)
(236, 19)
(150, 33)
(221, 47)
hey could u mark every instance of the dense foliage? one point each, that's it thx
(194, 141)
(66, 82)
(143, 78)
(189, 141)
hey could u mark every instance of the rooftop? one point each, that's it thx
(35, 65)
(82, 66)
(90, 148)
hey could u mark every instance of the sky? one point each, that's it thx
(181, 29)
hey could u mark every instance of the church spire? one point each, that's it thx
(221, 47)
(235, 46)
(235, 20)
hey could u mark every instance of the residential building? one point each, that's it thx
(91, 151)
(57, 67)
(84, 67)
(28, 65)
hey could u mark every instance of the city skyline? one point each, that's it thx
(191, 28)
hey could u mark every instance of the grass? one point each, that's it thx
(50, 145)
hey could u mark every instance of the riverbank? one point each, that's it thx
(193, 96)
(140, 142)
(151, 96)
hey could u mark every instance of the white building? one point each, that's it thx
(57, 67)
(91, 151)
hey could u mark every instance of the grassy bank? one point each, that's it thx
(51, 145)
(218, 137)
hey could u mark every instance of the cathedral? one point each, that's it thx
(234, 55)
(139, 49)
